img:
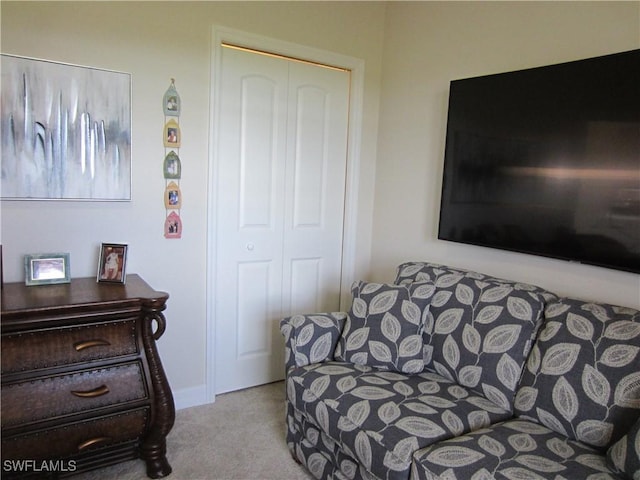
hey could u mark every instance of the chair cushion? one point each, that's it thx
(479, 333)
(384, 326)
(582, 378)
(515, 449)
(624, 455)
(380, 417)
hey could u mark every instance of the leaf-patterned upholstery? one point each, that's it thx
(513, 450)
(322, 456)
(480, 329)
(381, 417)
(384, 326)
(311, 339)
(582, 378)
(479, 333)
(624, 456)
(518, 384)
(409, 272)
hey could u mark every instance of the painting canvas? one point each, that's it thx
(65, 131)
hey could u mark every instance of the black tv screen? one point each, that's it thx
(546, 161)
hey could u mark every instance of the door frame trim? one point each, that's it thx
(220, 35)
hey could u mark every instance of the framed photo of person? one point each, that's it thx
(172, 136)
(112, 263)
(46, 268)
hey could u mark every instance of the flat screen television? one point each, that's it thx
(546, 161)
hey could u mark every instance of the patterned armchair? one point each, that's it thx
(450, 374)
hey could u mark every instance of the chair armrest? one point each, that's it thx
(311, 338)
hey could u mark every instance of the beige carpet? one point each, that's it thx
(239, 437)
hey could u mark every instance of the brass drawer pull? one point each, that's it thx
(96, 392)
(79, 346)
(92, 442)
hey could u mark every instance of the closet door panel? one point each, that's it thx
(279, 206)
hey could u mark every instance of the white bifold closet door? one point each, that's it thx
(282, 149)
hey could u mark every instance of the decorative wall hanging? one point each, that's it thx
(173, 226)
(172, 197)
(172, 134)
(172, 101)
(172, 166)
(66, 131)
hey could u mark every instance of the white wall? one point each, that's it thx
(427, 44)
(157, 41)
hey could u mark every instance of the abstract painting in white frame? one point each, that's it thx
(65, 131)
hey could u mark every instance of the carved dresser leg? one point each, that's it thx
(154, 446)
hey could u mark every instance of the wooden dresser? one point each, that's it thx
(82, 382)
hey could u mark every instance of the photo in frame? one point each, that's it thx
(46, 268)
(172, 166)
(173, 226)
(68, 131)
(171, 101)
(172, 136)
(172, 197)
(112, 263)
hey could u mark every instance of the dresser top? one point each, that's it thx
(81, 294)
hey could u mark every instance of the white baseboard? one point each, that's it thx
(190, 397)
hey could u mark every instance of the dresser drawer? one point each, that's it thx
(50, 348)
(50, 397)
(76, 438)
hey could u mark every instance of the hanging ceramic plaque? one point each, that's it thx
(173, 226)
(172, 101)
(172, 134)
(172, 166)
(172, 197)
